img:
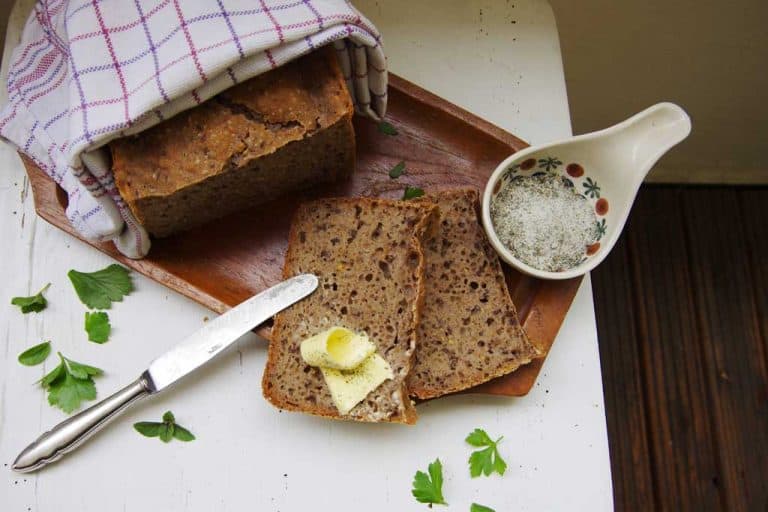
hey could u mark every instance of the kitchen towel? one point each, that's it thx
(88, 71)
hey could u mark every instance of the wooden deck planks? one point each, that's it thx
(682, 310)
(754, 215)
(623, 383)
(730, 339)
(683, 449)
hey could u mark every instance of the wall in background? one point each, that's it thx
(710, 57)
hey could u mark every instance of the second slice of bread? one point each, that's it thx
(367, 255)
(469, 332)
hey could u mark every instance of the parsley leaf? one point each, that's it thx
(34, 303)
(397, 170)
(52, 376)
(429, 488)
(97, 326)
(69, 384)
(148, 428)
(412, 192)
(99, 289)
(35, 355)
(488, 460)
(479, 437)
(165, 430)
(82, 371)
(387, 129)
(67, 393)
(183, 434)
(480, 508)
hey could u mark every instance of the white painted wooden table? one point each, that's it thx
(497, 59)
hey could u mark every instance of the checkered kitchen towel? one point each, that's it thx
(89, 71)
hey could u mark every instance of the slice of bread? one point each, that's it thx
(367, 255)
(469, 332)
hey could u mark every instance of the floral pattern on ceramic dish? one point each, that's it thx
(574, 175)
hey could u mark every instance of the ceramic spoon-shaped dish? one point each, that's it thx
(606, 167)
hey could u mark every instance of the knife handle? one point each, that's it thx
(72, 432)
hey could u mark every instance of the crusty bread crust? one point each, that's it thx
(281, 131)
(469, 332)
(290, 384)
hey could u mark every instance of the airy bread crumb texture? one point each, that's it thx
(367, 255)
(469, 332)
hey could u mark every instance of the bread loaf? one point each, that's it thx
(468, 332)
(367, 255)
(284, 130)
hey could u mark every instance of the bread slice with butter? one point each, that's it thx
(368, 257)
(469, 332)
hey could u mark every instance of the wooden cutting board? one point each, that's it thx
(442, 145)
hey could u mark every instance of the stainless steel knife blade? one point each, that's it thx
(184, 358)
(221, 332)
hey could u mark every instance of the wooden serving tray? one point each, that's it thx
(442, 145)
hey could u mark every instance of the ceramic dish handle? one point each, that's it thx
(646, 136)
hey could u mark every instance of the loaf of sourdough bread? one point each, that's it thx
(367, 255)
(468, 332)
(287, 129)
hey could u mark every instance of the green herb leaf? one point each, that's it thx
(480, 508)
(34, 303)
(69, 392)
(148, 428)
(183, 434)
(35, 355)
(52, 376)
(387, 129)
(99, 289)
(412, 192)
(479, 437)
(481, 462)
(69, 384)
(429, 488)
(166, 433)
(97, 326)
(487, 460)
(165, 430)
(82, 371)
(499, 465)
(397, 170)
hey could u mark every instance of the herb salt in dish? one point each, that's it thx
(544, 222)
(531, 209)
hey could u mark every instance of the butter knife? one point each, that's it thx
(183, 359)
